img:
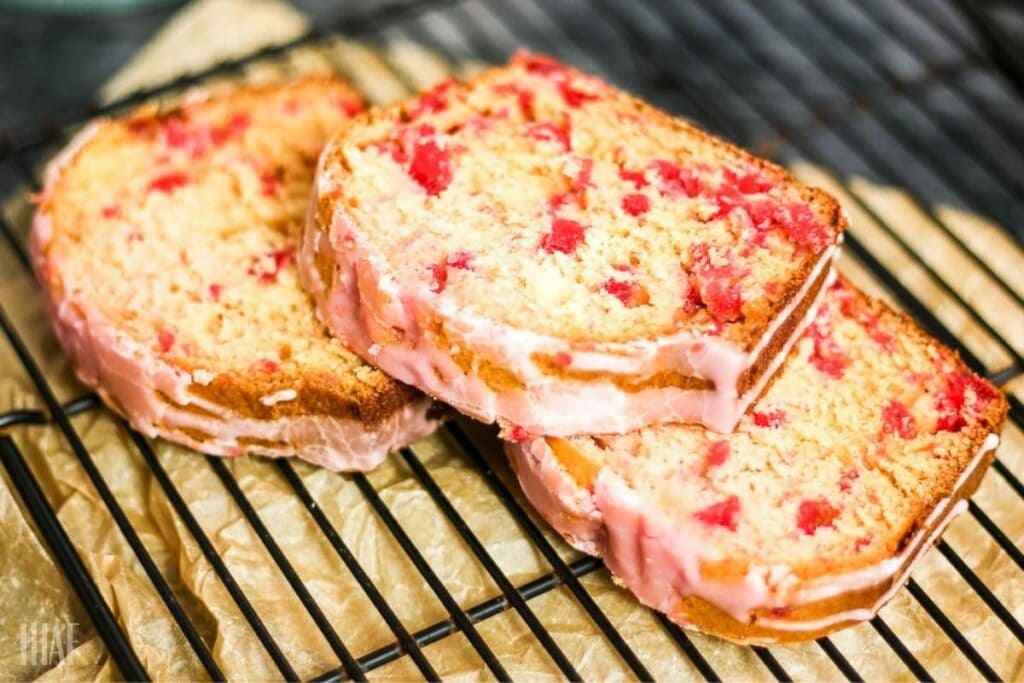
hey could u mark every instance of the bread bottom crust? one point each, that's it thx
(158, 400)
(495, 373)
(606, 519)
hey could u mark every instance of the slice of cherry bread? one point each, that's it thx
(539, 248)
(812, 513)
(165, 242)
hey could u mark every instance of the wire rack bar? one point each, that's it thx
(64, 552)
(840, 660)
(772, 664)
(901, 650)
(982, 590)
(951, 631)
(349, 663)
(211, 554)
(428, 574)
(407, 643)
(30, 416)
(489, 564)
(1001, 538)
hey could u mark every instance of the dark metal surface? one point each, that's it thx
(912, 94)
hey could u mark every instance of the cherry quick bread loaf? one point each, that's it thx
(165, 242)
(813, 512)
(538, 248)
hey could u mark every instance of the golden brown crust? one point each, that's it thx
(750, 377)
(317, 393)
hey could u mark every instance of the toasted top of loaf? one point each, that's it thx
(548, 200)
(868, 426)
(179, 227)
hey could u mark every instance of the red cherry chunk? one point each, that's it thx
(574, 97)
(266, 267)
(636, 204)
(719, 285)
(724, 514)
(565, 237)
(270, 184)
(350, 106)
(629, 293)
(952, 400)
(168, 182)
(561, 359)
(539, 64)
(717, 453)
(803, 227)
(524, 97)
(165, 340)
(549, 132)
(518, 434)
(431, 166)
(827, 356)
(751, 181)
(264, 365)
(636, 177)
(234, 127)
(772, 418)
(462, 260)
(847, 478)
(814, 514)
(677, 181)
(896, 419)
(432, 101)
(438, 277)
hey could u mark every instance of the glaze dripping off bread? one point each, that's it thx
(165, 242)
(538, 248)
(812, 513)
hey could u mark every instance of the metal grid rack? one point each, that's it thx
(786, 79)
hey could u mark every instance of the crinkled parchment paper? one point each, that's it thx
(34, 593)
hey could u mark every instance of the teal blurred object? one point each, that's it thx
(83, 5)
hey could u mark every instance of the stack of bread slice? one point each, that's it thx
(755, 448)
(650, 315)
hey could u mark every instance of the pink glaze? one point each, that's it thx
(154, 395)
(386, 324)
(659, 560)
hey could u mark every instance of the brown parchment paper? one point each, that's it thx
(34, 592)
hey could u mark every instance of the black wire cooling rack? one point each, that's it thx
(923, 94)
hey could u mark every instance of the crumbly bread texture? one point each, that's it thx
(618, 245)
(166, 243)
(810, 515)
